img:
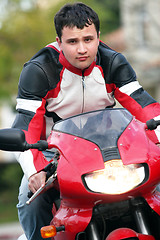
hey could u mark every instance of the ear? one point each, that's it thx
(99, 36)
(59, 42)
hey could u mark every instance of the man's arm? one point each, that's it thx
(33, 87)
(132, 96)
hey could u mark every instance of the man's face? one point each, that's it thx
(79, 46)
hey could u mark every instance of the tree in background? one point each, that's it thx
(26, 28)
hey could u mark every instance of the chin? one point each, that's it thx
(84, 66)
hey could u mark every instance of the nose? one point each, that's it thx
(82, 48)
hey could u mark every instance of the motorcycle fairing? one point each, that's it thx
(73, 164)
(153, 199)
(133, 143)
(103, 127)
(134, 147)
(74, 219)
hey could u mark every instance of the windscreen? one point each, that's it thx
(102, 127)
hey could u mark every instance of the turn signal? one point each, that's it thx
(48, 231)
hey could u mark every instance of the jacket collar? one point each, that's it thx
(73, 69)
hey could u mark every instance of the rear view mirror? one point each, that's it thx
(12, 139)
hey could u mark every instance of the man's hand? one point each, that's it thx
(36, 181)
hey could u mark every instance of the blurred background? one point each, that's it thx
(128, 26)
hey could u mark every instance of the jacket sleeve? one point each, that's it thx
(132, 96)
(32, 89)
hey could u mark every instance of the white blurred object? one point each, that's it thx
(7, 117)
(22, 237)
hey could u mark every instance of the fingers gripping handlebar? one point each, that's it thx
(51, 170)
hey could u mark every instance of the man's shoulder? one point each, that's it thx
(105, 50)
(106, 57)
(48, 54)
(109, 56)
(43, 67)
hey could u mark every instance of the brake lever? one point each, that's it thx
(41, 189)
(51, 170)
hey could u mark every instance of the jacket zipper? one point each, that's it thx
(83, 88)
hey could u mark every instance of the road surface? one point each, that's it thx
(10, 231)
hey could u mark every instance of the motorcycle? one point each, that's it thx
(107, 171)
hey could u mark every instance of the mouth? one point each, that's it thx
(82, 59)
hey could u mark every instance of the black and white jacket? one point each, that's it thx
(50, 89)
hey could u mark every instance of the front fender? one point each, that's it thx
(127, 233)
(73, 218)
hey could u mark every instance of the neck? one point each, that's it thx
(81, 72)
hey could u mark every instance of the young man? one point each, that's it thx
(75, 74)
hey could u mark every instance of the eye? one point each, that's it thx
(88, 39)
(72, 41)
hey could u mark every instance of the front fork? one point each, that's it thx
(92, 231)
(140, 217)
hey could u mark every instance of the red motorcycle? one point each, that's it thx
(107, 172)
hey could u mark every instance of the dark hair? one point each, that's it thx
(75, 15)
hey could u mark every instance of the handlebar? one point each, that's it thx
(51, 170)
(152, 124)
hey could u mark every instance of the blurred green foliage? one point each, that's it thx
(10, 177)
(23, 33)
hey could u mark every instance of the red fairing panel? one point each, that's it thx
(143, 114)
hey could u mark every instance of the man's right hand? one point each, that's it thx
(36, 181)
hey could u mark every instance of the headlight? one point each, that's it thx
(115, 178)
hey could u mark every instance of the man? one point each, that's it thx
(75, 74)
